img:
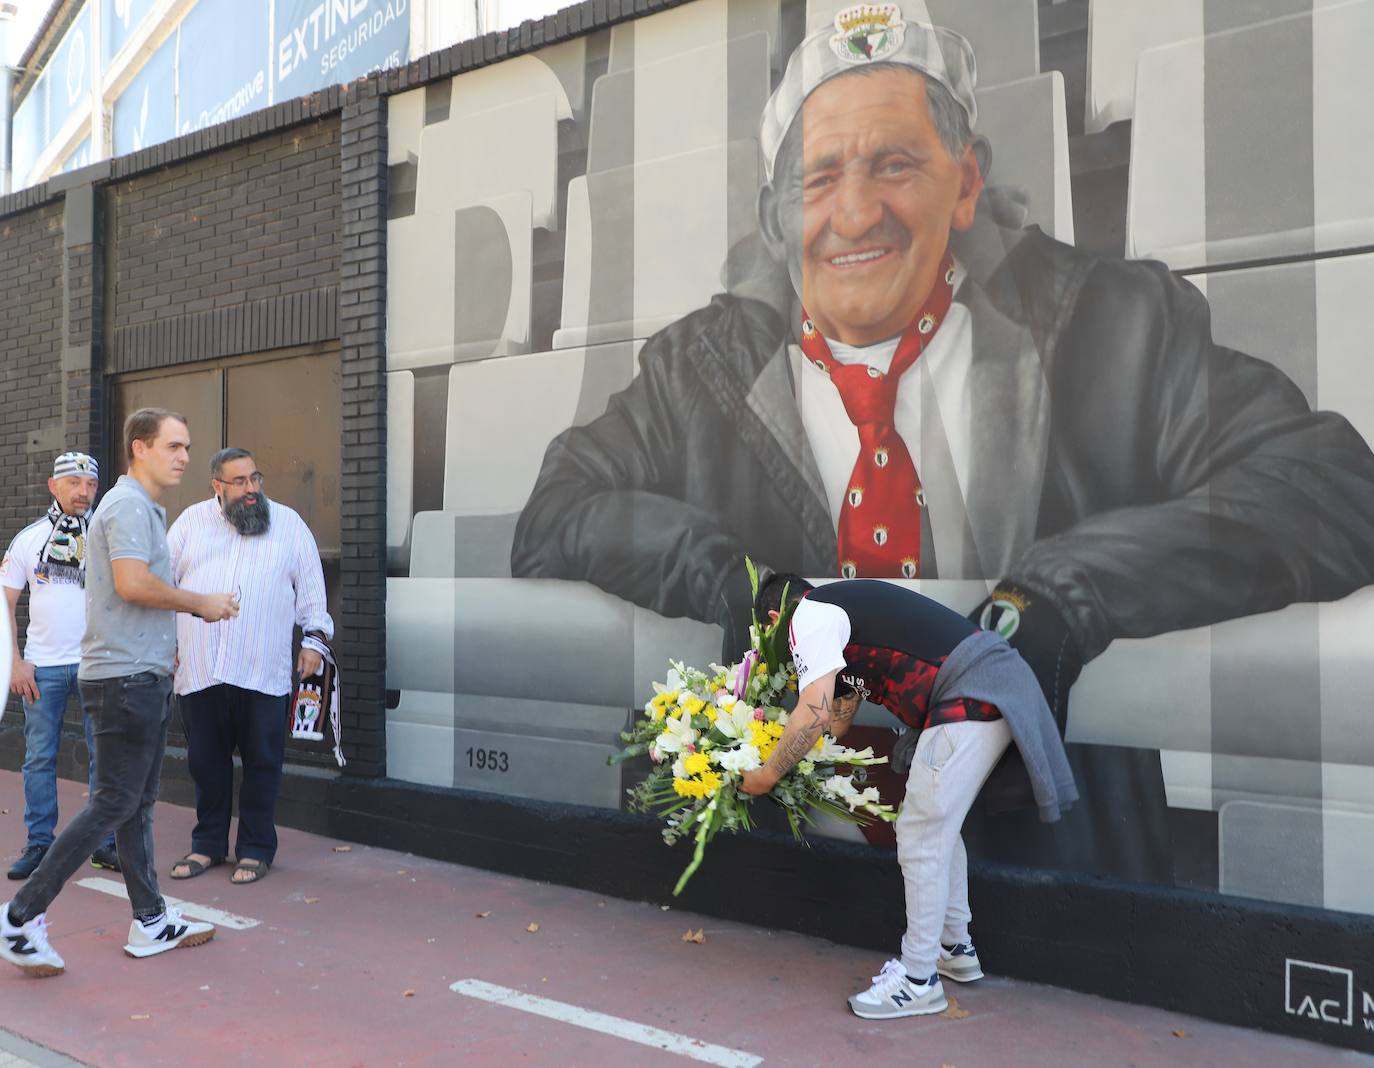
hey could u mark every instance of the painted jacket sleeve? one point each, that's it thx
(607, 507)
(1246, 500)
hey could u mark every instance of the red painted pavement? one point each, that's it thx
(344, 936)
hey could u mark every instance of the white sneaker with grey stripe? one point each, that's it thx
(894, 994)
(959, 962)
(171, 930)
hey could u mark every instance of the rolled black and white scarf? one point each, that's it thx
(62, 558)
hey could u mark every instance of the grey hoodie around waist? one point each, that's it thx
(983, 667)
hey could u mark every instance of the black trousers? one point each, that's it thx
(217, 721)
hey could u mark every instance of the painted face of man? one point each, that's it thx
(239, 488)
(74, 493)
(865, 209)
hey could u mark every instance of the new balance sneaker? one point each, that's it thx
(169, 931)
(26, 946)
(959, 962)
(894, 993)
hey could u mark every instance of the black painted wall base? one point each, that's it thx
(1223, 958)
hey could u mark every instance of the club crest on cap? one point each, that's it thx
(868, 33)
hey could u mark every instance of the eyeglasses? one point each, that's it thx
(242, 482)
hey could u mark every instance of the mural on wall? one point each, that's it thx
(621, 343)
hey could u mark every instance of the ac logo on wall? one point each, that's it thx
(1324, 993)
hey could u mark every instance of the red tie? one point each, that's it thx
(880, 522)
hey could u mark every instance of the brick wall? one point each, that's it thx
(362, 329)
(31, 385)
(255, 220)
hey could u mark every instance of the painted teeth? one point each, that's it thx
(857, 257)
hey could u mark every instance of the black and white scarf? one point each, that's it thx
(63, 555)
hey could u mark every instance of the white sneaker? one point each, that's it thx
(894, 993)
(959, 962)
(26, 946)
(169, 931)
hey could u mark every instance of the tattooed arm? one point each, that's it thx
(842, 713)
(804, 726)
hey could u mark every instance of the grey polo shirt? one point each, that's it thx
(122, 638)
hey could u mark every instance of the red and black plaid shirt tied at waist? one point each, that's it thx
(901, 683)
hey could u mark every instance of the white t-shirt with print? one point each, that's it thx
(57, 610)
(817, 636)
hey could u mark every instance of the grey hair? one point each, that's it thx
(225, 456)
(947, 115)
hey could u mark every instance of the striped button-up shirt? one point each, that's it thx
(279, 582)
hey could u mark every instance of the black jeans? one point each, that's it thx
(130, 717)
(218, 720)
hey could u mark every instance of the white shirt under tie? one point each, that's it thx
(279, 581)
(932, 397)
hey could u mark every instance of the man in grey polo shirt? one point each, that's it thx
(127, 656)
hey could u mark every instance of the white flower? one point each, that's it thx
(832, 752)
(742, 758)
(675, 681)
(679, 772)
(677, 735)
(734, 721)
(842, 788)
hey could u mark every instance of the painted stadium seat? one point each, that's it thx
(641, 113)
(1242, 146)
(627, 270)
(708, 22)
(1027, 126)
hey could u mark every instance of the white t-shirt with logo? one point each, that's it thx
(817, 636)
(57, 610)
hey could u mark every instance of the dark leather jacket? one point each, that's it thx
(1170, 483)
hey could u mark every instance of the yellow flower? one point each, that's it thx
(696, 763)
(662, 702)
(689, 787)
(710, 782)
(693, 704)
(762, 669)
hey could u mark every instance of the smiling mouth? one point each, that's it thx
(858, 259)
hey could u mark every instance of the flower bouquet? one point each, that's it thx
(703, 729)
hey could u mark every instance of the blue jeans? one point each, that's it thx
(42, 738)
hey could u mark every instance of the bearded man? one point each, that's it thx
(234, 682)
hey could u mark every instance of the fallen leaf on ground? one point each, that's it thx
(407, 993)
(4, 812)
(140, 1016)
(954, 1012)
(532, 928)
(663, 908)
(343, 849)
(311, 900)
(483, 915)
(1180, 1033)
(698, 936)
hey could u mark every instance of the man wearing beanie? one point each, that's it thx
(48, 557)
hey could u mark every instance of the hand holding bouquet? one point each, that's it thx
(703, 730)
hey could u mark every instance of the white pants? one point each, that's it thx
(951, 763)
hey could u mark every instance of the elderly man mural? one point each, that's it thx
(910, 385)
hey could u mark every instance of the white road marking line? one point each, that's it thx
(188, 908)
(609, 1025)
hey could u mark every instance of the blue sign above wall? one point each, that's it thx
(69, 73)
(145, 113)
(119, 20)
(325, 42)
(235, 34)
